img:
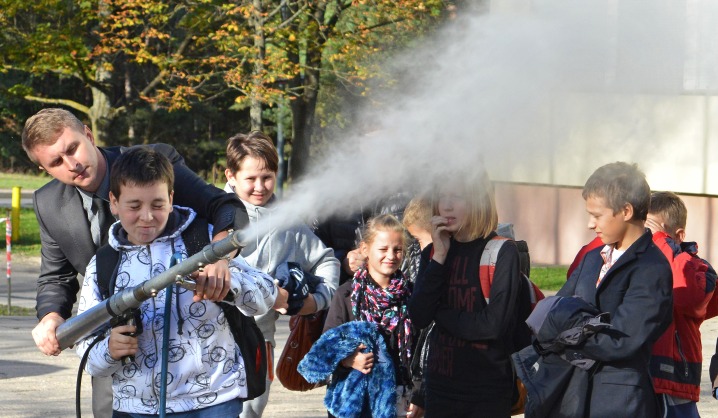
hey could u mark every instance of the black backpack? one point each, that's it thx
(244, 328)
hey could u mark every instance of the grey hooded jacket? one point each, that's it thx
(298, 244)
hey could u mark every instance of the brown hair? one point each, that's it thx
(386, 222)
(482, 218)
(45, 126)
(671, 208)
(418, 213)
(619, 184)
(254, 144)
(141, 166)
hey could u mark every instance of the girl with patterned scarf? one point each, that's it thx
(379, 293)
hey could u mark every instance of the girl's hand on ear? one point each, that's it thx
(440, 237)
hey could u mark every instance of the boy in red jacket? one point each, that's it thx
(677, 355)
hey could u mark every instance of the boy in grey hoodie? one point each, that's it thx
(252, 165)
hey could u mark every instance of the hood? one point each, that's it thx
(254, 212)
(178, 220)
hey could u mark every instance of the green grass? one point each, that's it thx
(28, 242)
(549, 277)
(545, 277)
(16, 311)
(26, 181)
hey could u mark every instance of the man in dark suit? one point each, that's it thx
(629, 278)
(74, 215)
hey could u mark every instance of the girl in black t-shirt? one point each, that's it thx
(468, 371)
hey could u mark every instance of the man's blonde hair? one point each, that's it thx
(45, 126)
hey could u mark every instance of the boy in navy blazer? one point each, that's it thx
(629, 278)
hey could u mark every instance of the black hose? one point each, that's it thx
(83, 362)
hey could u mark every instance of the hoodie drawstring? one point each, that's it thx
(177, 258)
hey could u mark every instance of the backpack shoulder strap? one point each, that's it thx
(107, 261)
(487, 264)
(245, 331)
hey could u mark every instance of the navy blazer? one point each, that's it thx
(637, 292)
(67, 245)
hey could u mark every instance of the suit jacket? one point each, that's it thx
(637, 292)
(67, 245)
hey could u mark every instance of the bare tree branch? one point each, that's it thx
(66, 102)
(162, 74)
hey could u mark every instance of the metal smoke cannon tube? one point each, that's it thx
(79, 327)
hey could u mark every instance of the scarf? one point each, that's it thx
(384, 307)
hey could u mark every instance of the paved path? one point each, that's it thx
(33, 385)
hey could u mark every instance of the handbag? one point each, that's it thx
(519, 398)
(304, 330)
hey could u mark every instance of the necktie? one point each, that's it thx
(100, 224)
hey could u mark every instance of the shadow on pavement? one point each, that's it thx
(13, 369)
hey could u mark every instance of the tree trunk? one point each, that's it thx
(304, 107)
(101, 110)
(255, 109)
(128, 100)
(303, 111)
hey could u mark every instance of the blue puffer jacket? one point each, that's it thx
(357, 395)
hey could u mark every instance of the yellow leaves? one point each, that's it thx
(153, 33)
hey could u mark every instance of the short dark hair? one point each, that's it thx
(255, 144)
(45, 126)
(141, 166)
(619, 184)
(671, 208)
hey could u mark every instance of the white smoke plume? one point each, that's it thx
(542, 91)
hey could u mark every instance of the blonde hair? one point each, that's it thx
(418, 213)
(387, 222)
(671, 208)
(619, 184)
(482, 218)
(46, 126)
